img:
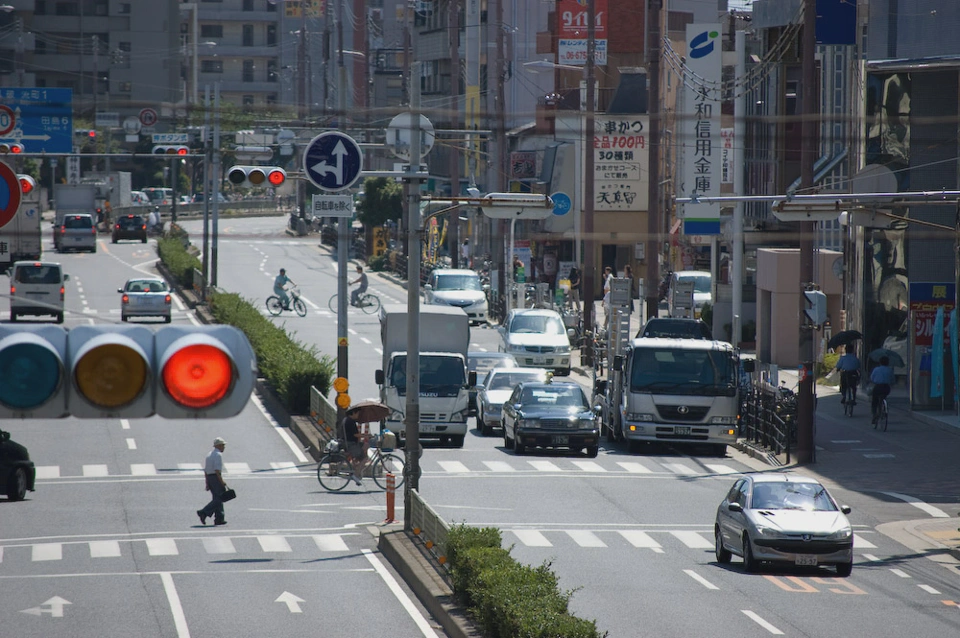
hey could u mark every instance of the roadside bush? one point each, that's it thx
(288, 365)
(174, 255)
(377, 263)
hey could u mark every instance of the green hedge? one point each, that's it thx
(174, 255)
(288, 365)
(506, 598)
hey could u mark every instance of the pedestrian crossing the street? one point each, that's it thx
(512, 465)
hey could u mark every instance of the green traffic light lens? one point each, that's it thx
(111, 375)
(30, 374)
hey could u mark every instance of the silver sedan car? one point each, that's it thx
(145, 297)
(783, 518)
(496, 388)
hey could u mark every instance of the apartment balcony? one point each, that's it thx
(250, 17)
(238, 51)
(238, 86)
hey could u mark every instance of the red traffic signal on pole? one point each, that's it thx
(171, 150)
(124, 371)
(11, 147)
(27, 184)
(256, 176)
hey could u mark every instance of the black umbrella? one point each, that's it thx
(895, 359)
(368, 411)
(843, 338)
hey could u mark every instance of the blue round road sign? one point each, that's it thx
(9, 194)
(333, 161)
(561, 203)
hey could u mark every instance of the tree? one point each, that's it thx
(382, 201)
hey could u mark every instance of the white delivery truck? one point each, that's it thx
(444, 381)
(20, 237)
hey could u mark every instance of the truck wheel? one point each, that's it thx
(457, 441)
(59, 317)
(593, 451)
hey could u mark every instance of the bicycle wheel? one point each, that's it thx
(334, 472)
(883, 415)
(300, 307)
(391, 463)
(332, 304)
(274, 306)
(370, 304)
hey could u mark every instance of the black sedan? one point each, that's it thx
(550, 415)
(129, 227)
(17, 473)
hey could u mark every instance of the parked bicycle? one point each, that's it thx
(336, 471)
(368, 302)
(275, 305)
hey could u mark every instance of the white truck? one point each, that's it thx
(666, 390)
(444, 381)
(20, 237)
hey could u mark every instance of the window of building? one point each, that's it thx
(248, 100)
(125, 87)
(248, 5)
(248, 68)
(123, 8)
(271, 35)
(272, 75)
(211, 66)
(100, 8)
(248, 35)
(211, 30)
(40, 8)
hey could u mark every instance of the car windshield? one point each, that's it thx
(788, 495)
(701, 283)
(537, 324)
(674, 328)
(458, 282)
(38, 275)
(507, 380)
(669, 370)
(440, 376)
(556, 396)
(147, 286)
(78, 221)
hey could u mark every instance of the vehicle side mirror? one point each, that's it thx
(845, 509)
(749, 365)
(472, 378)
(66, 277)
(735, 507)
(618, 363)
(119, 289)
(485, 287)
(571, 333)
(598, 409)
(378, 377)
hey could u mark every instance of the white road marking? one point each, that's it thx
(500, 466)
(720, 469)
(900, 573)
(161, 547)
(236, 468)
(544, 466)
(274, 544)
(48, 471)
(124, 424)
(352, 331)
(700, 579)
(95, 470)
(763, 623)
(639, 539)
(284, 433)
(929, 589)
(584, 538)
(104, 549)
(366, 341)
(532, 538)
(46, 551)
(634, 468)
(590, 466)
(454, 466)
(679, 468)
(861, 543)
(330, 543)
(871, 557)
(402, 597)
(143, 469)
(219, 545)
(693, 540)
(936, 512)
(176, 609)
(131, 444)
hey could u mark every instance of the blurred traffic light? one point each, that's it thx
(27, 184)
(256, 176)
(341, 385)
(171, 150)
(11, 147)
(124, 371)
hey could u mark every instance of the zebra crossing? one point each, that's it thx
(218, 545)
(513, 465)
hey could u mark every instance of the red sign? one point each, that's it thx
(923, 321)
(572, 18)
(8, 120)
(523, 164)
(9, 194)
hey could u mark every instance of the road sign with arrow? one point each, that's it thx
(333, 161)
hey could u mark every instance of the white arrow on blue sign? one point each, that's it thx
(561, 203)
(333, 161)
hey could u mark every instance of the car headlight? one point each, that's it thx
(459, 416)
(724, 420)
(516, 348)
(563, 350)
(841, 534)
(767, 531)
(639, 416)
(529, 424)
(587, 424)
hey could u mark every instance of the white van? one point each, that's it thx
(457, 287)
(702, 282)
(37, 288)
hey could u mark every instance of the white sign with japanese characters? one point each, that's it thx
(621, 163)
(333, 205)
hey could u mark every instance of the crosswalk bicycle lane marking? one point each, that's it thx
(219, 545)
(532, 538)
(680, 468)
(634, 468)
(104, 549)
(584, 538)
(273, 543)
(500, 466)
(590, 466)
(162, 547)
(46, 551)
(454, 467)
(544, 466)
(720, 469)
(693, 540)
(95, 470)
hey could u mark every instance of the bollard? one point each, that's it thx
(391, 497)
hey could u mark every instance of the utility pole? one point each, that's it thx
(808, 151)
(588, 277)
(207, 151)
(343, 231)
(453, 230)
(216, 183)
(505, 277)
(19, 52)
(651, 284)
(302, 65)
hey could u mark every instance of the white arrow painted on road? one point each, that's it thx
(337, 169)
(54, 607)
(291, 601)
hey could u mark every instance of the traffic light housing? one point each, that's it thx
(815, 307)
(27, 184)
(124, 371)
(341, 385)
(256, 176)
(174, 149)
(11, 147)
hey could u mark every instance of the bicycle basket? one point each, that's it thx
(387, 441)
(332, 447)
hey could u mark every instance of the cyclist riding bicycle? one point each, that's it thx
(356, 442)
(362, 280)
(882, 378)
(279, 290)
(849, 367)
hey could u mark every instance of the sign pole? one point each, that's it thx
(343, 243)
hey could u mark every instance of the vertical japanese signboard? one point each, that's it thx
(621, 162)
(700, 128)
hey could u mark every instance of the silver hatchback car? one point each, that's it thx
(145, 297)
(783, 518)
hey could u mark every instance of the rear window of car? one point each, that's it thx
(150, 285)
(78, 221)
(130, 222)
(43, 274)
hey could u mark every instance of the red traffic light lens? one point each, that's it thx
(276, 178)
(16, 148)
(92, 133)
(182, 150)
(27, 184)
(198, 376)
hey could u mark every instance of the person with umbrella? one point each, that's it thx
(849, 367)
(882, 378)
(357, 441)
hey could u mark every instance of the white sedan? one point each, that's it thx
(537, 338)
(145, 297)
(496, 388)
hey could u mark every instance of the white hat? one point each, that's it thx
(219, 441)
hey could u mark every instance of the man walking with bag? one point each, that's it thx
(213, 473)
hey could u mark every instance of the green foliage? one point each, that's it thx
(377, 263)
(288, 365)
(382, 201)
(829, 363)
(173, 253)
(706, 313)
(507, 599)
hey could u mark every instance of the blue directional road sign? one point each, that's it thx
(42, 119)
(333, 161)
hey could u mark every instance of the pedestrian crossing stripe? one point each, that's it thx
(641, 539)
(559, 466)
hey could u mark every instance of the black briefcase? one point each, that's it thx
(228, 495)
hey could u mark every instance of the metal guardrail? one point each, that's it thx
(429, 526)
(324, 414)
(764, 421)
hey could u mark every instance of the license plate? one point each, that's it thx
(428, 428)
(682, 430)
(806, 560)
(561, 440)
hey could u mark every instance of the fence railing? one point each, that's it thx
(767, 419)
(429, 526)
